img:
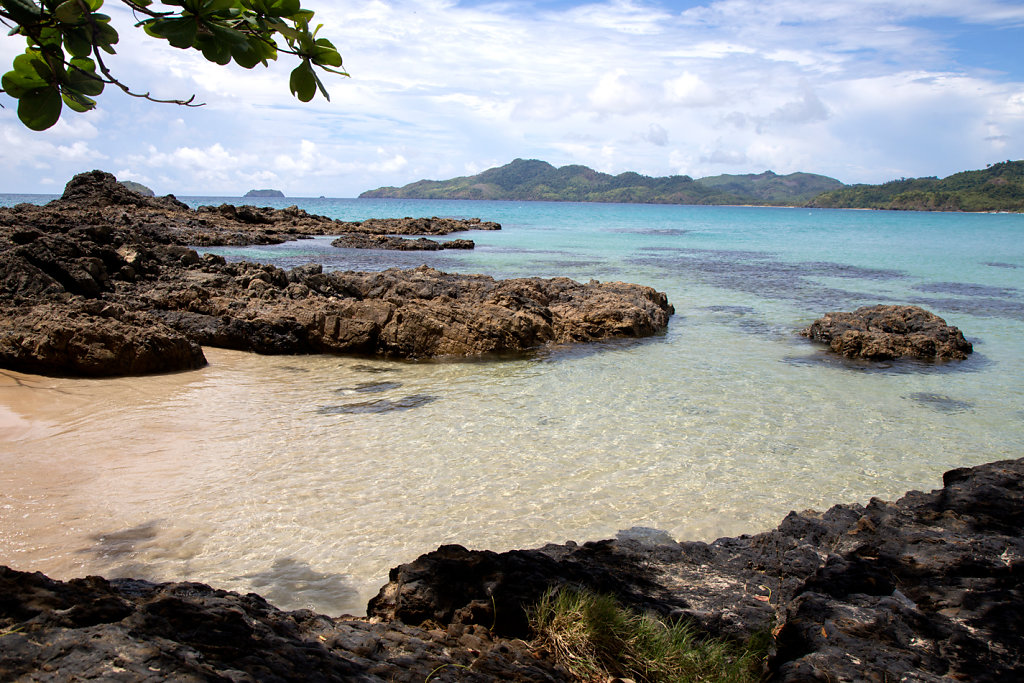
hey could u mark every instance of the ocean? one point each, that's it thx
(305, 478)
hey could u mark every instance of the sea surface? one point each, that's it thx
(305, 478)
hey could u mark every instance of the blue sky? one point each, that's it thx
(861, 90)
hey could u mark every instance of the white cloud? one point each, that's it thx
(618, 92)
(690, 90)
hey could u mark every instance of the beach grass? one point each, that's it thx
(596, 639)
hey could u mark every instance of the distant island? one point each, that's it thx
(264, 193)
(1000, 187)
(533, 180)
(138, 188)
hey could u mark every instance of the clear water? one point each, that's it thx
(307, 478)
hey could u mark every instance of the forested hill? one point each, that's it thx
(533, 180)
(1000, 187)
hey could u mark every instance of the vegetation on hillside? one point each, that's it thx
(533, 180)
(1000, 187)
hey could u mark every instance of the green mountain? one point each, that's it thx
(533, 180)
(1000, 187)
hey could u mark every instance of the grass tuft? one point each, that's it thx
(596, 639)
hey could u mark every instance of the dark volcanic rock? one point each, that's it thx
(417, 226)
(924, 588)
(99, 283)
(364, 241)
(126, 630)
(890, 332)
(92, 339)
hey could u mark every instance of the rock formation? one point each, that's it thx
(364, 241)
(890, 332)
(923, 589)
(99, 282)
(926, 588)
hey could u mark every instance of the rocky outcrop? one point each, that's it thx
(98, 283)
(416, 226)
(363, 241)
(92, 339)
(926, 588)
(890, 332)
(124, 630)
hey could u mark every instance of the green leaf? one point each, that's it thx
(325, 53)
(320, 86)
(22, 11)
(283, 8)
(78, 102)
(303, 82)
(77, 42)
(180, 33)
(70, 12)
(211, 6)
(39, 109)
(214, 50)
(82, 77)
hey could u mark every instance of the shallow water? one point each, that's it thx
(307, 478)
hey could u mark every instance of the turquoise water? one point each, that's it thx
(306, 478)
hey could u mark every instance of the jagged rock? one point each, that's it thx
(128, 630)
(890, 332)
(92, 339)
(417, 226)
(104, 244)
(364, 241)
(925, 588)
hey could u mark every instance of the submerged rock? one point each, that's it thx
(890, 332)
(390, 242)
(98, 283)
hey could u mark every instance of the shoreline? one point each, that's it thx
(934, 568)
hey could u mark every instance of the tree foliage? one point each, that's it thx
(1000, 187)
(63, 63)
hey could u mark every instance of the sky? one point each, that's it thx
(864, 91)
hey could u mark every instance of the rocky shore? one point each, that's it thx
(101, 282)
(927, 588)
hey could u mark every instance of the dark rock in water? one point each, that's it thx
(105, 252)
(920, 589)
(890, 332)
(416, 226)
(389, 242)
(370, 387)
(941, 403)
(380, 405)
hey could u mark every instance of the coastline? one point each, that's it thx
(920, 587)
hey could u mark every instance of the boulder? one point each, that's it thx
(92, 339)
(889, 332)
